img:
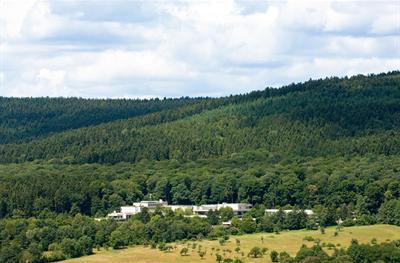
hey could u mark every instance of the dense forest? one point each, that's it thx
(331, 145)
(334, 116)
(358, 184)
(24, 119)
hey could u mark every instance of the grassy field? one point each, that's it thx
(285, 241)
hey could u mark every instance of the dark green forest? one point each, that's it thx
(24, 119)
(331, 145)
(334, 116)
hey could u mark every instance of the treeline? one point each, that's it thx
(355, 116)
(25, 240)
(358, 184)
(388, 252)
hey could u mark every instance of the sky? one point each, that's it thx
(144, 49)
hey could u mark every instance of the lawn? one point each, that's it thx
(289, 241)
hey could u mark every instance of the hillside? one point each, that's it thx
(24, 119)
(277, 147)
(350, 116)
(330, 145)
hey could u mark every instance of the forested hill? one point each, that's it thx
(348, 116)
(23, 119)
(330, 145)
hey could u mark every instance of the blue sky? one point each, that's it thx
(142, 49)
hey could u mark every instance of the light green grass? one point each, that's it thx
(289, 241)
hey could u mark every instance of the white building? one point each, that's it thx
(180, 207)
(308, 212)
(238, 208)
(151, 205)
(128, 211)
(201, 210)
(227, 224)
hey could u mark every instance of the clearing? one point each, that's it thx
(289, 241)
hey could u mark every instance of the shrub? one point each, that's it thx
(237, 242)
(284, 257)
(308, 238)
(87, 245)
(162, 246)
(55, 256)
(201, 253)
(255, 252)
(274, 256)
(264, 250)
(71, 248)
(184, 251)
(348, 222)
(330, 246)
(117, 239)
(168, 248)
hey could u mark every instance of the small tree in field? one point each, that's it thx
(255, 252)
(237, 249)
(284, 257)
(264, 250)
(274, 256)
(201, 253)
(162, 246)
(222, 241)
(184, 251)
(168, 248)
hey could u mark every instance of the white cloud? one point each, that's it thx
(114, 64)
(387, 24)
(45, 82)
(40, 22)
(51, 77)
(176, 48)
(321, 67)
(12, 16)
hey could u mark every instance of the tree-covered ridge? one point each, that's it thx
(348, 116)
(23, 119)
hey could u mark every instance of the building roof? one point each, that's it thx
(307, 211)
